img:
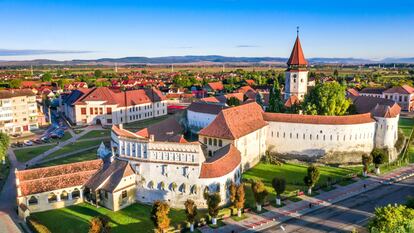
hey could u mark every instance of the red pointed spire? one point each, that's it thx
(297, 58)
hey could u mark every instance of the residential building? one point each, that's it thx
(18, 111)
(106, 107)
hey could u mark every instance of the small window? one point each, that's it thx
(51, 198)
(220, 142)
(64, 195)
(215, 142)
(124, 194)
(205, 141)
(33, 200)
(76, 193)
(209, 141)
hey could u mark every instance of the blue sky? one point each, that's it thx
(348, 28)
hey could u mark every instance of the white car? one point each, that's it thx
(28, 143)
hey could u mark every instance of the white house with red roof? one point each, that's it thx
(106, 106)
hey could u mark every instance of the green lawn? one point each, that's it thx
(24, 155)
(406, 124)
(74, 146)
(88, 155)
(294, 174)
(96, 134)
(75, 219)
(135, 126)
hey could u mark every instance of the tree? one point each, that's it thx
(335, 73)
(159, 216)
(191, 212)
(275, 98)
(46, 77)
(233, 193)
(366, 161)
(240, 199)
(311, 178)
(233, 101)
(98, 73)
(259, 193)
(392, 218)
(99, 224)
(213, 201)
(15, 83)
(279, 185)
(326, 99)
(378, 157)
(4, 146)
(410, 202)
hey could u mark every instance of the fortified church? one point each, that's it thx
(157, 163)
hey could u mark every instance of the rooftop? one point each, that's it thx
(225, 160)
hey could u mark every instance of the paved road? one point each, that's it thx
(348, 214)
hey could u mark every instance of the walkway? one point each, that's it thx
(275, 216)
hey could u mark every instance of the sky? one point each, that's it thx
(72, 29)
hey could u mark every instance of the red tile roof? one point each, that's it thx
(123, 132)
(216, 86)
(236, 122)
(292, 100)
(224, 161)
(223, 98)
(47, 179)
(297, 58)
(317, 119)
(404, 89)
(377, 106)
(201, 107)
(121, 98)
(353, 92)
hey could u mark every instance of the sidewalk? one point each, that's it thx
(275, 216)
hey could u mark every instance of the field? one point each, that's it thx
(135, 126)
(24, 155)
(75, 219)
(96, 134)
(294, 174)
(406, 124)
(84, 156)
(73, 147)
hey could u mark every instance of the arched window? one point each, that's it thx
(33, 200)
(64, 195)
(210, 153)
(194, 189)
(51, 198)
(220, 142)
(209, 141)
(215, 142)
(76, 193)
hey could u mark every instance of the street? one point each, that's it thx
(350, 213)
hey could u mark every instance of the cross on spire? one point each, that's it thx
(297, 30)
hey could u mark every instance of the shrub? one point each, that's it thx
(271, 158)
(99, 224)
(36, 226)
(400, 141)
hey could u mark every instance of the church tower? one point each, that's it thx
(297, 73)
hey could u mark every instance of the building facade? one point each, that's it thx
(106, 107)
(18, 111)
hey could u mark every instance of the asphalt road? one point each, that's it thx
(348, 214)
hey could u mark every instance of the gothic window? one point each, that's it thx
(331, 137)
(64, 195)
(324, 137)
(51, 198)
(75, 193)
(124, 194)
(317, 136)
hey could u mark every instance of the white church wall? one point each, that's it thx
(317, 140)
(386, 132)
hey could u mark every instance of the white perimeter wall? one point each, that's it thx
(317, 140)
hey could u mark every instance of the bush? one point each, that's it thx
(400, 141)
(271, 159)
(35, 226)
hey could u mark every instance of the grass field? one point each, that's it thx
(73, 147)
(96, 134)
(75, 219)
(87, 155)
(294, 174)
(134, 126)
(406, 124)
(24, 155)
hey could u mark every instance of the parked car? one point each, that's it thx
(38, 141)
(28, 143)
(19, 144)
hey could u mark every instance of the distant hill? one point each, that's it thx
(211, 59)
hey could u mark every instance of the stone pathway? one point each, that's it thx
(275, 216)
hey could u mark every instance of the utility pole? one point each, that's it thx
(31, 70)
(116, 67)
(224, 69)
(172, 67)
